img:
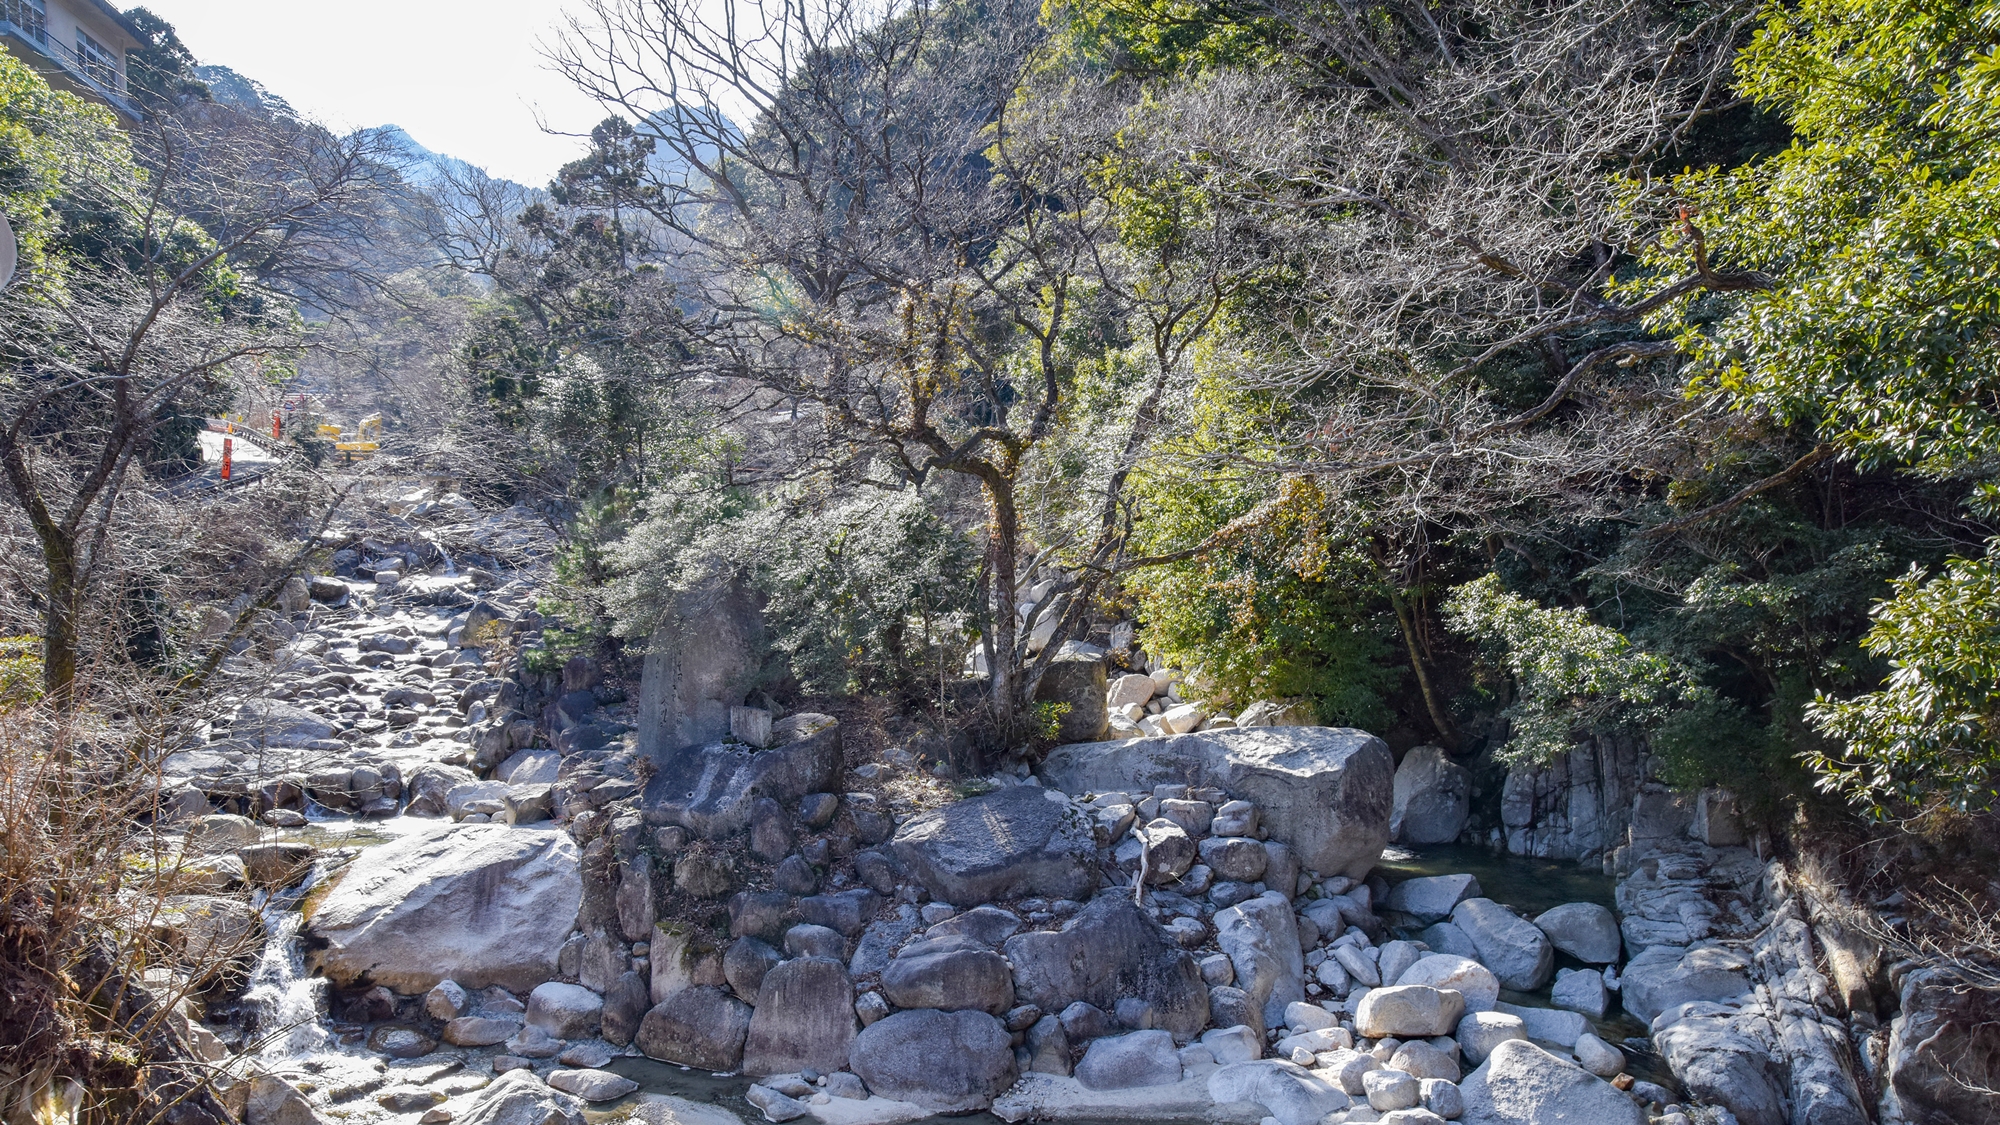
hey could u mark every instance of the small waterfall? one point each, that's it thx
(286, 1000)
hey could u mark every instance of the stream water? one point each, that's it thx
(289, 1005)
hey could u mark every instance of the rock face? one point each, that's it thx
(712, 789)
(274, 723)
(946, 1062)
(1007, 844)
(1521, 1082)
(1110, 951)
(1432, 798)
(479, 904)
(804, 1018)
(699, 663)
(1326, 791)
(1077, 680)
(1261, 938)
(701, 1027)
(1518, 953)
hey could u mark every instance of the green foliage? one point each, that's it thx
(20, 672)
(1164, 37)
(871, 595)
(1572, 675)
(1880, 327)
(52, 145)
(1931, 734)
(1283, 607)
(1047, 721)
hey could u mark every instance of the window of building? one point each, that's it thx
(28, 15)
(98, 60)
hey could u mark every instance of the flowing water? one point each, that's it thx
(289, 1005)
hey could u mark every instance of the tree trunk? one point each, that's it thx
(59, 639)
(1003, 535)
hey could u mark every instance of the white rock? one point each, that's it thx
(1391, 1089)
(1442, 970)
(1598, 1057)
(1301, 1016)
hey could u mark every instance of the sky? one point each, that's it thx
(462, 77)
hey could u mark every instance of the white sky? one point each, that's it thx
(462, 77)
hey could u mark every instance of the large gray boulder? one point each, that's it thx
(1408, 1011)
(1722, 1066)
(705, 654)
(1664, 976)
(1288, 1092)
(1463, 975)
(804, 1018)
(702, 1027)
(275, 723)
(1076, 680)
(1520, 1082)
(480, 904)
(1110, 951)
(1261, 938)
(1125, 1062)
(1584, 930)
(518, 1097)
(1432, 798)
(952, 973)
(1430, 898)
(946, 1062)
(712, 789)
(1007, 844)
(1518, 953)
(1326, 791)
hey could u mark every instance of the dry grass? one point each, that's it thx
(102, 949)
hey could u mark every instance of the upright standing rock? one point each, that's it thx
(804, 1018)
(1111, 951)
(1433, 797)
(946, 1062)
(1262, 940)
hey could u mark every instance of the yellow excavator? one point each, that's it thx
(366, 440)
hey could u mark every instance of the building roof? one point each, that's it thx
(115, 16)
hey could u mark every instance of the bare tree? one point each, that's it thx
(183, 282)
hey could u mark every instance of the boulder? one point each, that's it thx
(944, 1062)
(1408, 1011)
(1721, 1065)
(1550, 1025)
(1598, 1057)
(1431, 799)
(701, 659)
(1278, 713)
(1261, 938)
(1076, 680)
(1110, 951)
(1326, 791)
(1584, 930)
(1419, 1059)
(1580, 990)
(275, 723)
(879, 940)
(988, 925)
(1521, 1082)
(1124, 1062)
(804, 1018)
(1431, 897)
(806, 940)
(1664, 976)
(1391, 1090)
(566, 1011)
(1012, 843)
(951, 973)
(1169, 851)
(1470, 978)
(1231, 1007)
(625, 1005)
(1128, 690)
(1444, 937)
(1235, 857)
(1518, 953)
(1048, 1047)
(712, 789)
(702, 1027)
(273, 1101)
(592, 1085)
(845, 912)
(479, 904)
(1289, 1093)
(518, 1097)
(1480, 1032)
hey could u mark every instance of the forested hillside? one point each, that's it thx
(1523, 384)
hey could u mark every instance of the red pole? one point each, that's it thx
(228, 455)
(275, 425)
